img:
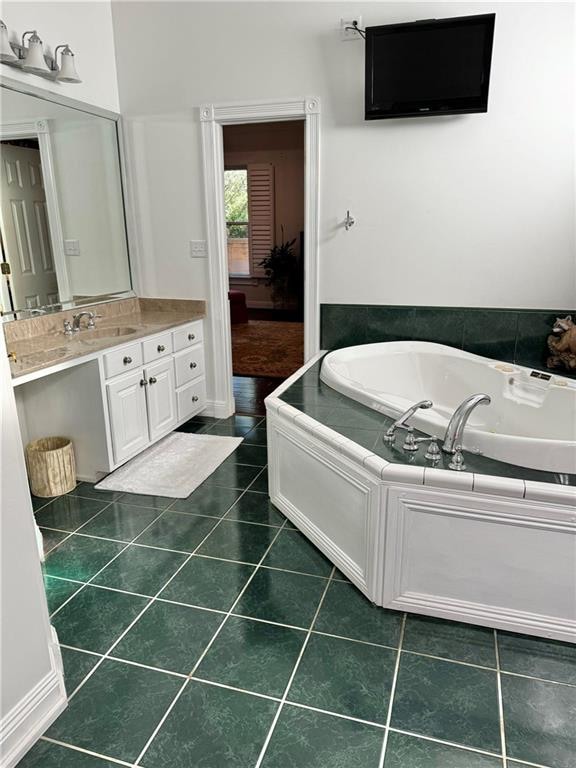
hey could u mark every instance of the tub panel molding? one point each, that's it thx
(480, 560)
(334, 502)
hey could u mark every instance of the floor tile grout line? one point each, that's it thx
(290, 626)
(205, 681)
(83, 751)
(447, 743)
(340, 715)
(500, 701)
(293, 675)
(206, 649)
(393, 691)
(88, 583)
(150, 600)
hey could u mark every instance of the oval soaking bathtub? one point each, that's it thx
(530, 422)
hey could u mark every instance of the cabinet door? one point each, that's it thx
(128, 418)
(161, 395)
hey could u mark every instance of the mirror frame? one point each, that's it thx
(39, 129)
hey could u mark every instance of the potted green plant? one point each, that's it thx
(283, 272)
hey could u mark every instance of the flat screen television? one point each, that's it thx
(432, 67)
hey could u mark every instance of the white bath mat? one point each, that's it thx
(174, 467)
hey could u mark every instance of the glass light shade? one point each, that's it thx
(34, 61)
(6, 52)
(67, 72)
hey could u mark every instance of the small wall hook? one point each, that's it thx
(349, 221)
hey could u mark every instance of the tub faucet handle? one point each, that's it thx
(410, 443)
(433, 453)
(457, 463)
(401, 420)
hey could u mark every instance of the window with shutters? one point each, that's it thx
(249, 205)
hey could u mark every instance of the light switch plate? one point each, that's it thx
(350, 34)
(198, 249)
(72, 247)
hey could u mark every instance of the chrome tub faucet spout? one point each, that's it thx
(456, 425)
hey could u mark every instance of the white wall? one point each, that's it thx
(471, 210)
(87, 28)
(32, 684)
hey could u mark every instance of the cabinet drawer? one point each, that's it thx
(121, 360)
(187, 335)
(157, 347)
(189, 365)
(191, 399)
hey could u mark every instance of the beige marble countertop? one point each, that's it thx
(42, 343)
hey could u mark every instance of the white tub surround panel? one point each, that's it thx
(472, 547)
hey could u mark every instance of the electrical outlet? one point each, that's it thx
(198, 249)
(72, 247)
(350, 34)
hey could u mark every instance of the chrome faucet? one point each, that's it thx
(77, 318)
(456, 425)
(400, 422)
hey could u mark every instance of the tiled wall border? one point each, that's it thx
(513, 335)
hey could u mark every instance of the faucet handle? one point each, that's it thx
(68, 330)
(92, 320)
(410, 443)
(457, 463)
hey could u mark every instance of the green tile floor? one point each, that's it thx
(208, 633)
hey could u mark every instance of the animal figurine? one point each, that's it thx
(562, 344)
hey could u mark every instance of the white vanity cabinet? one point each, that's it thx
(161, 390)
(115, 403)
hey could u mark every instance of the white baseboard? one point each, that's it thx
(29, 719)
(219, 409)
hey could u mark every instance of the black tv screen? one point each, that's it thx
(434, 67)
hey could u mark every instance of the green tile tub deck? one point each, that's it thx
(446, 701)
(95, 618)
(220, 637)
(122, 703)
(252, 655)
(283, 597)
(205, 582)
(307, 739)
(212, 727)
(170, 637)
(367, 427)
(345, 677)
(512, 335)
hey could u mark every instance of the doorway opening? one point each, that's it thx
(264, 201)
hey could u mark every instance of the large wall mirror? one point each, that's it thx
(62, 217)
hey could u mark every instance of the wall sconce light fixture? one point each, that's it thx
(33, 59)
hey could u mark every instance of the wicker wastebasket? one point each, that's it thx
(51, 466)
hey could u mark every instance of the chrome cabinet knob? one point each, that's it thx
(127, 360)
(191, 337)
(152, 380)
(161, 348)
(195, 398)
(143, 382)
(193, 365)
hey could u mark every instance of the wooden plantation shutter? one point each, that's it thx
(260, 214)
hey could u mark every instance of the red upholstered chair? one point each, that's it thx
(238, 308)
